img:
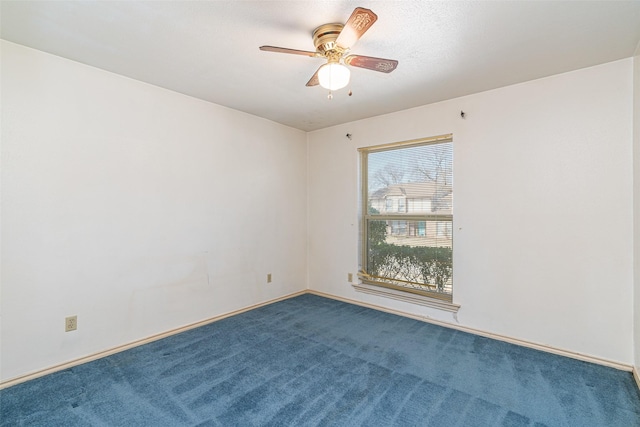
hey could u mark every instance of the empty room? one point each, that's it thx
(320, 213)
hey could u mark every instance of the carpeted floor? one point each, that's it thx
(312, 361)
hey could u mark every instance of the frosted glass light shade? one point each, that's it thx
(333, 76)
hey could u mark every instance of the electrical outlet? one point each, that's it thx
(350, 277)
(70, 323)
(269, 278)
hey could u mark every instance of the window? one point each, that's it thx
(443, 229)
(398, 228)
(409, 249)
(388, 205)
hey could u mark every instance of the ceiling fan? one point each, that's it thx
(333, 42)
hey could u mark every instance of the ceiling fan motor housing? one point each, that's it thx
(324, 38)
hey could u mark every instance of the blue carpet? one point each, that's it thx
(312, 361)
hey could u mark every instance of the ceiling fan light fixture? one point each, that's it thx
(333, 76)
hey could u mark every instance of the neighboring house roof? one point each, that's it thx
(441, 195)
(413, 190)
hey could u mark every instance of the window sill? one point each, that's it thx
(406, 297)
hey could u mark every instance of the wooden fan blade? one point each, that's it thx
(371, 63)
(359, 22)
(285, 50)
(314, 81)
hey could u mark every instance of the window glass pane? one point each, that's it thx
(413, 180)
(411, 254)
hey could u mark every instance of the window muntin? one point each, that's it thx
(410, 247)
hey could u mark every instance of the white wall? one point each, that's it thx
(136, 208)
(141, 210)
(636, 202)
(543, 210)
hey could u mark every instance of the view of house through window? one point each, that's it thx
(407, 216)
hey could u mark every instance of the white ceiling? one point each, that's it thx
(209, 49)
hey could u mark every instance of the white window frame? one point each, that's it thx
(371, 284)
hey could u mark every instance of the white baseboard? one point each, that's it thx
(542, 347)
(101, 354)
(524, 343)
